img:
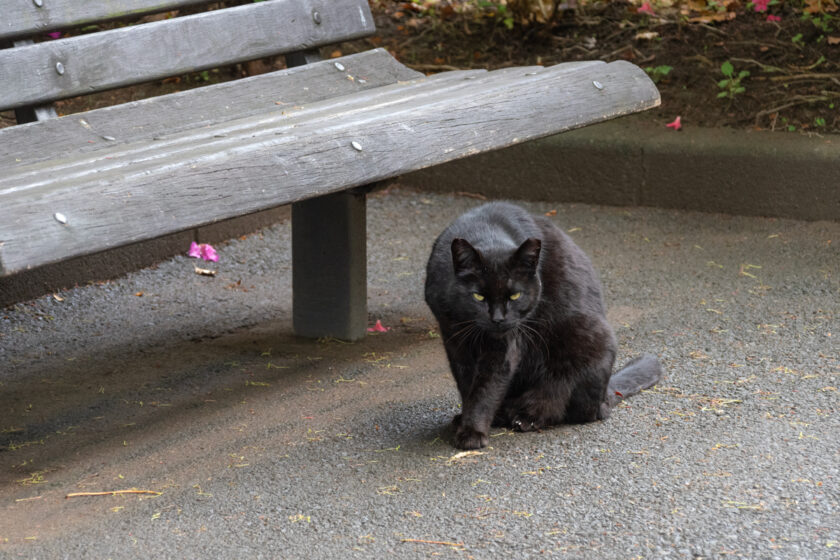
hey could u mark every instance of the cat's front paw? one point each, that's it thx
(468, 438)
(604, 412)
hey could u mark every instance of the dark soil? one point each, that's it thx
(794, 75)
(794, 81)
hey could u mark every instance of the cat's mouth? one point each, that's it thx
(499, 330)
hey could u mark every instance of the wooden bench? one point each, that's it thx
(308, 135)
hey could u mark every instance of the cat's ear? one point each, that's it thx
(527, 256)
(465, 257)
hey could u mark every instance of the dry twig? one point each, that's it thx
(444, 543)
(433, 67)
(797, 100)
(112, 493)
(812, 76)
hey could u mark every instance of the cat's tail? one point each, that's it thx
(638, 374)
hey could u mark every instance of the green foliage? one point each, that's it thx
(498, 10)
(731, 84)
(819, 122)
(821, 21)
(656, 73)
(716, 6)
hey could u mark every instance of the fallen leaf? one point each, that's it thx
(647, 35)
(819, 6)
(205, 272)
(711, 18)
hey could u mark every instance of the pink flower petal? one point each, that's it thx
(55, 34)
(195, 250)
(760, 5)
(208, 253)
(774, 18)
(646, 9)
(203, 251)
(378, 327)
(676, 124)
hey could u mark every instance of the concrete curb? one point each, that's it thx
(626, 162)
(635, 162)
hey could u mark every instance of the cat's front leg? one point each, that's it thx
(493, 372)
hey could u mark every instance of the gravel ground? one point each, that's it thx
(263, 445)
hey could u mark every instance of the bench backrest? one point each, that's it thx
(42, 72)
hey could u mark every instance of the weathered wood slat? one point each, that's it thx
(53, 70)
(168, 115)
(273, 163)
(112, 154)
(73, 168)
(296, 109)
(32, 114)
(25, 17)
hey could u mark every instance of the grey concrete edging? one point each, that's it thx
(635, 162)
(625, 162)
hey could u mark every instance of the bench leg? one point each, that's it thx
(329, 266)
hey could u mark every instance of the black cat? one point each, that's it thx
(523, 323)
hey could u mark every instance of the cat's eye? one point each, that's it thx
(478, 297)
(516, 296)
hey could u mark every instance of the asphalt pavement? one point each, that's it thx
(218, 434)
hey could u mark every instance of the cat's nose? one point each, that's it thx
(497, 315)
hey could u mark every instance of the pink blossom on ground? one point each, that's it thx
(203, 251)
(760, 5)
(378, 327)
(676, 124)
(208, 253)
(195, 250)
(55, 34)
(645, 8)
(774, 18)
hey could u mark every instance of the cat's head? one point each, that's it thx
(498, 289)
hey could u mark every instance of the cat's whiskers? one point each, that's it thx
(463, 333)
(530, 333)
(521, 332)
